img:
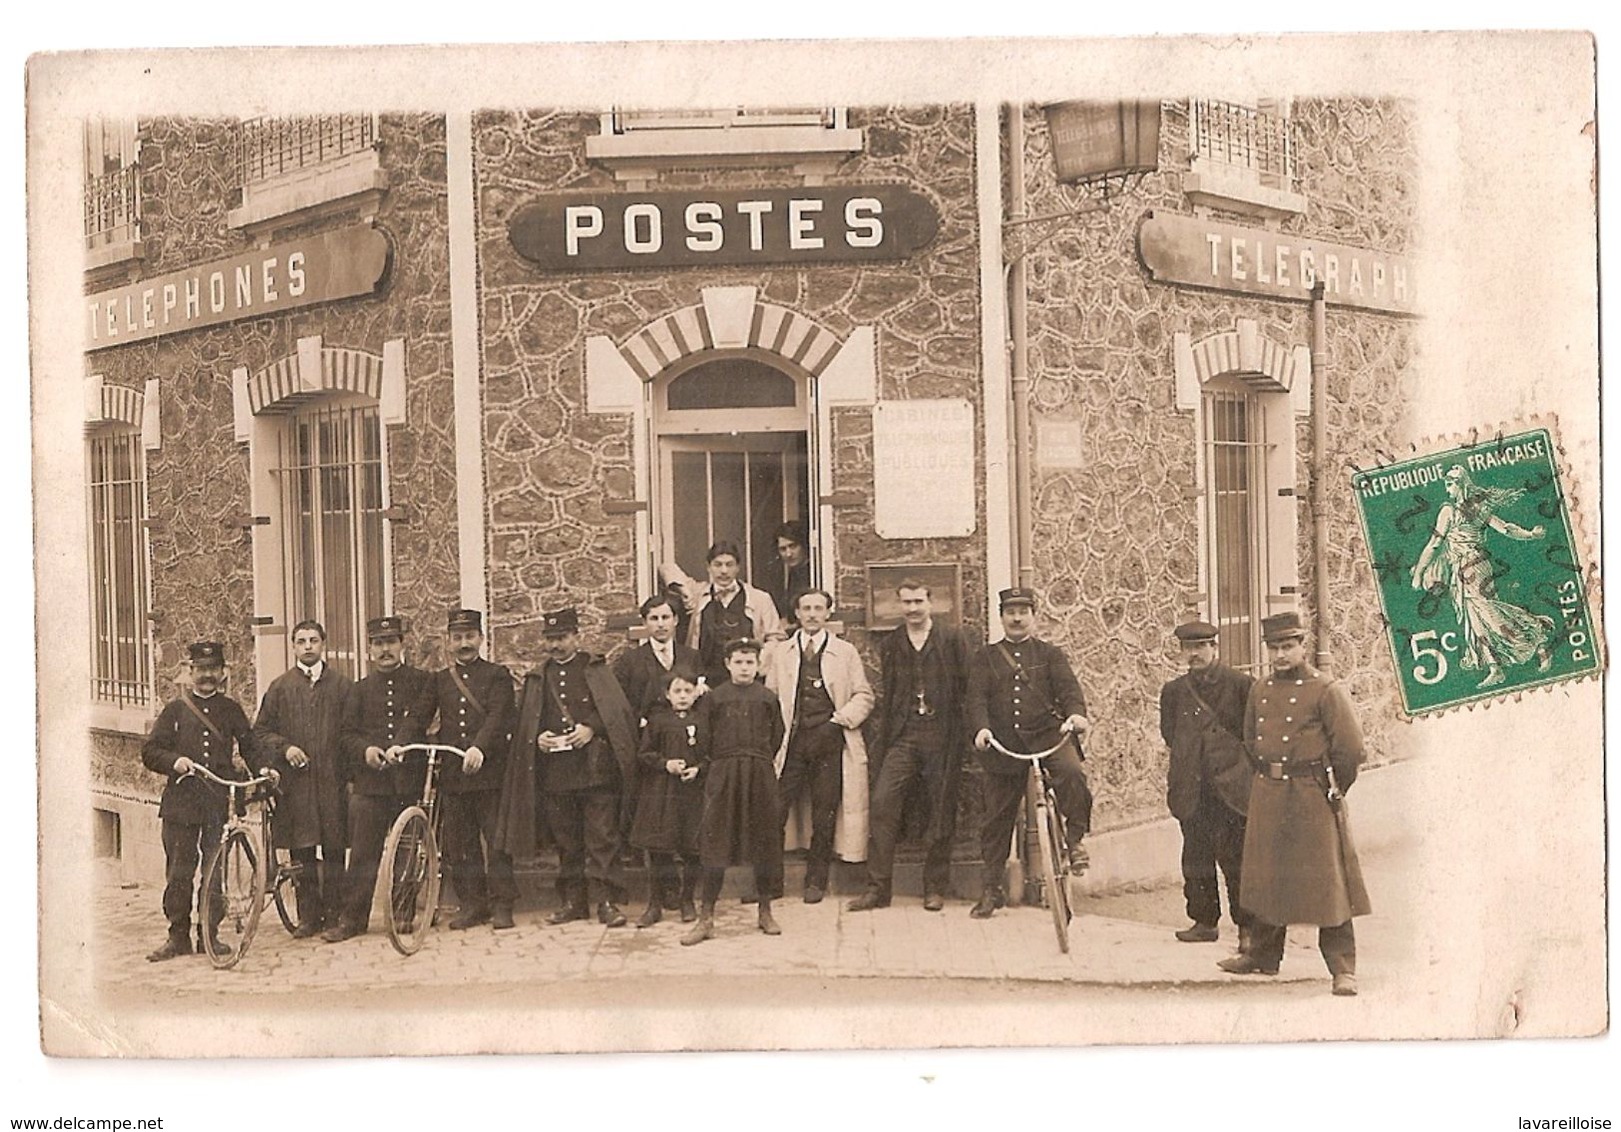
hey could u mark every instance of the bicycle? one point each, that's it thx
(411, 855)
(235, 878)
(1053, 846)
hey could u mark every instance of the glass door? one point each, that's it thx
(738, 487)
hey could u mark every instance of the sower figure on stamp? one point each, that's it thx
(472, 699)
(1300, 866)
(1201, 717)
(299, 729)
(380, 718)
(1022, 690)
(822, 688)
(201, 728)
(923, 689)
(575, 722)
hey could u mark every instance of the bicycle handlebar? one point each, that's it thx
(430, 748)
(1035, 757)
(200, 771)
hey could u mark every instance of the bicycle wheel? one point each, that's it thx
(285, 895)
(233, 898)
(1049, 871)
(1061, 902)
(411, 856)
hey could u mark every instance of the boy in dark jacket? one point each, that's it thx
(670, 797)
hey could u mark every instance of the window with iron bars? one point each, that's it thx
(824, 117)
(330, 476)
(1244, 137)
(121, 649)
(1236, 521)
(268, 148)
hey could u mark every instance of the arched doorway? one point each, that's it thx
(733, 439)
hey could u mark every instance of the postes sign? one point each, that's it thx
(821, 224)
(332, 265)
(1254, 261)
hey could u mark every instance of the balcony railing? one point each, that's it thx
(825, 117)
(1244, 137)
(112, 205)
(268, 148)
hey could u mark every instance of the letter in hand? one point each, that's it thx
(982, 740)
(472, 761)
(375, 758)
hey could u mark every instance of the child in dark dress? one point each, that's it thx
(670, 799)
(742, 822)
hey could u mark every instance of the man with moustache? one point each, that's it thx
(472, 699)
(200, 728)
(575, 721)
(923, 689)
(1201, 717)
(379, 719)
(1300, 866)
(298, 729)
(1023, 691)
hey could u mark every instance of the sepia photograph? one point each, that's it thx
(913, 545)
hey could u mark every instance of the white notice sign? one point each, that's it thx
(923, 468)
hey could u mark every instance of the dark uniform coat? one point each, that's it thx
(669, 811)
(641, 676)
(945, 661)
(1299, 864)
(485, 724)
(178, 732)
(296, 713)
(516, 831)
(1206, 745)
(1022, 701)
(384, 710)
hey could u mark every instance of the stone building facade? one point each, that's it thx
(555, 431)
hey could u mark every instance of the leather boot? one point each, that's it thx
(989, 901)
(568, 913)
(689, 885)
(173, 947)
(653, 914)
(768, 922)
(501, 918)
(703, 929)
(1243, 939)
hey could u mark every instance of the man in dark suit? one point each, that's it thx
(790, 573)
(574, 720)
(640, 670)
(201, 728)
(472, 699)
(298, 727)
(923, 688)
(379, 719)
(1023, 691)
(1201, 717)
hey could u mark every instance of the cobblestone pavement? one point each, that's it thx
(819, 941)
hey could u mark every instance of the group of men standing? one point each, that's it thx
(1281, 750)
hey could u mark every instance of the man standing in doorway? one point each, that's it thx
(379, 719)
(924, 688)
(472, 699)
(726, 610)
(791, 572)
(299, 729)
(1300, 866)
(1201, 717)
(822, 688)
(1023, 691)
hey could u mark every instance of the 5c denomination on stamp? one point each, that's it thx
(1480, 580)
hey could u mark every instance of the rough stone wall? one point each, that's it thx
(550, 464)
(1116, 542)
(198, 480)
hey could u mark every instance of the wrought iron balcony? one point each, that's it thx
(112, 206)
(1245, 138)
(269, 148)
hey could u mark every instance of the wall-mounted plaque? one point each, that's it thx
(923, 468)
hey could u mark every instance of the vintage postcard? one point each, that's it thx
(1154, 484)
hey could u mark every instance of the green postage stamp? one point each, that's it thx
(1482, 585)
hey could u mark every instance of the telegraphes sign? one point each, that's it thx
(282, 277)
(923, 468)
(702, 227)
(1254, 261)
(1480, 580)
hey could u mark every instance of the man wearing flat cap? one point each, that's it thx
(575, 724)
(1023, 691)
(1300, 866)
(1201, 717)
(381, 716)
(202, 727)
(472, 699)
